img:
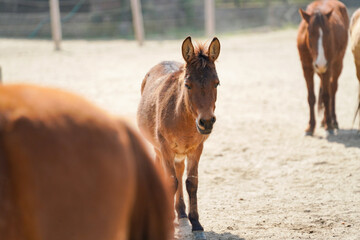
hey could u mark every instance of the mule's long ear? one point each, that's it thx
(214, 49)
(304, 15)
(187, 49)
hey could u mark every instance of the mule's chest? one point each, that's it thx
(182, 144)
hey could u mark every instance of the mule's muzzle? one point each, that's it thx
(205, 126)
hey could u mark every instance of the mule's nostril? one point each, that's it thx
(316, 66)
(213, 120)
(201, 122)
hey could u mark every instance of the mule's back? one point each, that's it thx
(161, 80)
(68, 170)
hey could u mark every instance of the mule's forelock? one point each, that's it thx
(201, 57)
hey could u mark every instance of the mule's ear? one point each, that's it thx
(304, 15)
(214, 49)
(187, 49)
(328, 15)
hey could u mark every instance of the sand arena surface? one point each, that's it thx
(259, 177)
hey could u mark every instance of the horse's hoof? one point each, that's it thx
(329, 132)
(309, 133)
(199, 235)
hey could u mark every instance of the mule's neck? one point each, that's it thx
(183, 107)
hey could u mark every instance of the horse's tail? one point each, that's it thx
(152, 215)
(320, 101)
(358, 108)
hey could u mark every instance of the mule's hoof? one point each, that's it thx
(309, 133)
(184, 215)
(329, 132)
(336, 126)
(199, 235)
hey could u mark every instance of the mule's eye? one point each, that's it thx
(187, 86)
(217, 84)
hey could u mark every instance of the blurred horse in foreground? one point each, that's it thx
(322, 40)
(70, 171)
(355, 47)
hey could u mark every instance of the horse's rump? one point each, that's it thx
(70, 169)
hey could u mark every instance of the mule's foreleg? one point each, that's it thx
(309, 78)
(191, 187)
(167, 158)
(179, 203)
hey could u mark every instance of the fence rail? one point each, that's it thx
(162, 18)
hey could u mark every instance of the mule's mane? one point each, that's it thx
(201, 59)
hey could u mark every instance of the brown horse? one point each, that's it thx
(355, 46)
(70, 171)
(176, 114)
(322, 40)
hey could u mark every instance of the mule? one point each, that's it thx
(355, 47)
(176, 114)
(321, 41)
(68, 170)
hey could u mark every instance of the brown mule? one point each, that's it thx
(70, 171)
(322, 40)
(176, 114)
(355, 47)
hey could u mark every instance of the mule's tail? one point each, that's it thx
(153, 212)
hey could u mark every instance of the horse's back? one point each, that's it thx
(355, 34)
(66, 178)
(72, 168)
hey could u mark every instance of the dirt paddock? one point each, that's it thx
(259, 177)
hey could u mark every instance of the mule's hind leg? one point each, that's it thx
(309, 77)
(191, 187)
(179, 203)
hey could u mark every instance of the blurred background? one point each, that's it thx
(162, 19)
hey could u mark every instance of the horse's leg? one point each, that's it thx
(325, 82)
(191, 187)
(309, 77)
(179, 203)
(357, 64)
(334, 86)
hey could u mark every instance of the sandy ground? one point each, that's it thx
(259, 177)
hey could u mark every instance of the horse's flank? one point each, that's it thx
(68, 170)
(355, 47)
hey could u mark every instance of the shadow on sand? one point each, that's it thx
(350, 138)
(183, 232)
